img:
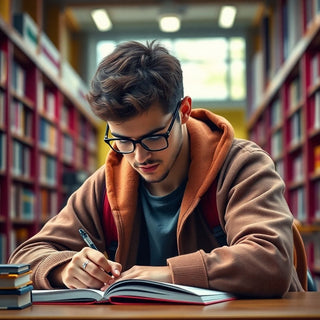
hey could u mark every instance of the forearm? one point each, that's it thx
(43, 261)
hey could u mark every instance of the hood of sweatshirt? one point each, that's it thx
(210, 138)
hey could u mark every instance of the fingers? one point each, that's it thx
(89, 268)
(92, 276)
(111, 267)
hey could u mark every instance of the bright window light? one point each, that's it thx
(169, 23)
(227, 16)
(101, 19)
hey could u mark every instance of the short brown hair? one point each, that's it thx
(132, 78)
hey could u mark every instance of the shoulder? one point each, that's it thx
(245, 148)
(246, 158)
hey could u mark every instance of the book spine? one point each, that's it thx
(317, 158)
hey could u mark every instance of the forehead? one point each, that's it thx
(147, 122)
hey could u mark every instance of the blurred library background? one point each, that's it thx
(257, 63)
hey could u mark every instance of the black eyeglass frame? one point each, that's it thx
(166, 135)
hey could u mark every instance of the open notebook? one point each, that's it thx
(133, 291)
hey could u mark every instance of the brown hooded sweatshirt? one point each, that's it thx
(258, 260)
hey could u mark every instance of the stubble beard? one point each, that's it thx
(165, 174)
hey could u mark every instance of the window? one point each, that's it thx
(213, 68)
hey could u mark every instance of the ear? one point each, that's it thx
(185, 109)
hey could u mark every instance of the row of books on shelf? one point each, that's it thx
(3, 67)
(49, 57)
(315, 111)
(297, 200)
(48, 170)
(277, 115)
(21, 125)
(297, 204)
(18, 79)
(46, 102)
(314, 70)
(296, 128)
(21, 119)
(17, 235)
(21, 164)
(22, 203)
(298, 167)
(2, 109)
(2, 151)
(67, 148)
(296, 125)
(317, 200)
(293, 24)
(48, 136)
(21, 155)
(284, 23)
(316, 152)
(295, 92)
(65, 117)
(277, 143)
(48, 200)
(47, 164)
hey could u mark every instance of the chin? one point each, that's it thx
(156, 179)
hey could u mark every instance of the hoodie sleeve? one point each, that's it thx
(59, 238)
(258, 260)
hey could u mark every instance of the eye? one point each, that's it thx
(152, 138)
(123, 141)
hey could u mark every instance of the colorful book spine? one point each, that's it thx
(317, 158)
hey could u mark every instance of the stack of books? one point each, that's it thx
(15, 286)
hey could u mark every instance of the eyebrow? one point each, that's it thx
(152, 132)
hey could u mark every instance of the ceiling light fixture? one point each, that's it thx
(169, 23)
(101, 19)
(227, 16)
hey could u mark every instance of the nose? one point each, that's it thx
(141, 154)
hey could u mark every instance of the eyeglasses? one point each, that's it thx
(154, 142)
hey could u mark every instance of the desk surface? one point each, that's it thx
(292, 306)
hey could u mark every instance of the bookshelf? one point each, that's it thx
(46, 130)
(284, 108)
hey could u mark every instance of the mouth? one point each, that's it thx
(149, 168)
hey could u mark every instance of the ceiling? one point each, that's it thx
(130, 14)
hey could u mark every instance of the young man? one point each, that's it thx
(173, 183)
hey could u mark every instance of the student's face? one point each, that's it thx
(153, 166)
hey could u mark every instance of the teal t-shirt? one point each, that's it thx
(160, 225)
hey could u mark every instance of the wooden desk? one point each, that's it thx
(292, 306)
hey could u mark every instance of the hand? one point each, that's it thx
(144, 272)
(88, 268)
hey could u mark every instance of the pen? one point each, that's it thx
(90, 243)
(87, 239)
